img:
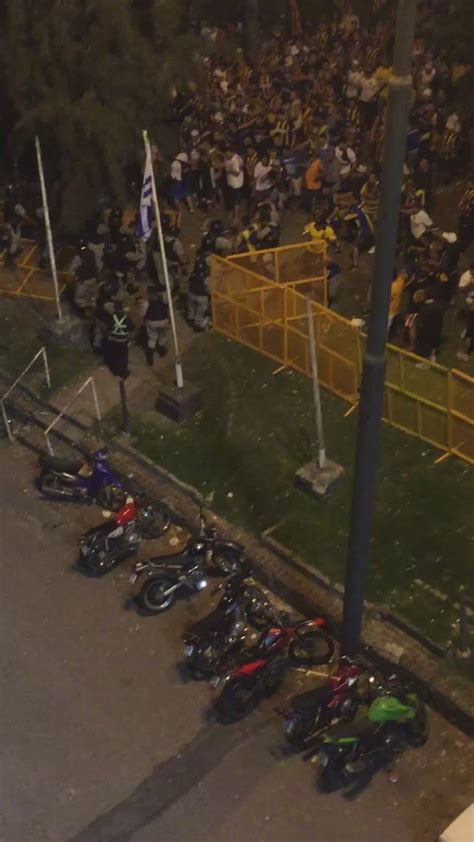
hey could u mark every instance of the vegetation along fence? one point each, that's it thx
(259, 299)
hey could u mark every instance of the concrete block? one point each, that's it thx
(179, 404)
(319, 481)
(66, 331)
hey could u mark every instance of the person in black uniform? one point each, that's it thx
(83, 271)
(198, 296)
(115, 222)
(215, 241)
(104, 307)
(119, 330)
(429, 326)
(155, 313)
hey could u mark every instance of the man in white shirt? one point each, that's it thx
(347, 157)
(467, 279)
(263, 180)
(368, 88)
(420, 223)
(354, 80)
(178, 189)
(234, 167)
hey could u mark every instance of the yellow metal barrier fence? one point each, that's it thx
(300, 266)
(434, 403)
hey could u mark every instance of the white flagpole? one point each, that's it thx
(49, 235)
(178, 367)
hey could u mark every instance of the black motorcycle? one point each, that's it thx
(215, 639)
(186, 570)
(106, 545)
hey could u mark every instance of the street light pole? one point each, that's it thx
(373, 375)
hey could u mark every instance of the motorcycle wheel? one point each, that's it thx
(155, 522)
(111, 497)
(152, 598)
(49, 484)
(235, 702)
(332, 778)
(311, 648)
(303, 729)
(97, 566)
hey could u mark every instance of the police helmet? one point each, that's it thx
(165, 224)
(207, 244)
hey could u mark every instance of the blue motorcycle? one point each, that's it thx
(87, 478)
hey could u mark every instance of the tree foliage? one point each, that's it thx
(87, 76)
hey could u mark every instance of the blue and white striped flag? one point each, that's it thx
(145, 215)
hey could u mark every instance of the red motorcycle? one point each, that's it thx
(106, 545)
(312, 712)
(264, 667)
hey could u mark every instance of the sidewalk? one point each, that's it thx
(143, 380)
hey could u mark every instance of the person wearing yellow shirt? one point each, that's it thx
(398, 288)
(382, 74)
(313, 184)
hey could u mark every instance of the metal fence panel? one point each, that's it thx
(423, 399)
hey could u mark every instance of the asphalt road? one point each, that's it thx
(102, 739)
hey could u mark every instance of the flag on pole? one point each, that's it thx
(145, 215)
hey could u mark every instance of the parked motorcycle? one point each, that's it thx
(187, 569)
(81, 479)
(393, 721)
(262, 668)
(217, 638)
(106, 545)
(311, 712)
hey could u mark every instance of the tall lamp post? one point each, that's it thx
(374, 367)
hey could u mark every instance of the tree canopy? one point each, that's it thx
(87, 76)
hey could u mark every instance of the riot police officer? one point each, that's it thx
(175, 256)
(83, 274)
(155, 313)
(214, 241)
(198, 296)
(127, 259)
(104, 307)
(119, 330)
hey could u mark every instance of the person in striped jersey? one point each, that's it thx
(466, 216)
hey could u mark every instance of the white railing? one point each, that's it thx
(6, 420)
(89, 382)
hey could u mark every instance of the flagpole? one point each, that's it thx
(178, 367)
(49, 235)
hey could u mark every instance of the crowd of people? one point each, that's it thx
(303, 134)
(306, 131)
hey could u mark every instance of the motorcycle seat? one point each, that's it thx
(174, 561)
(66, 466)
